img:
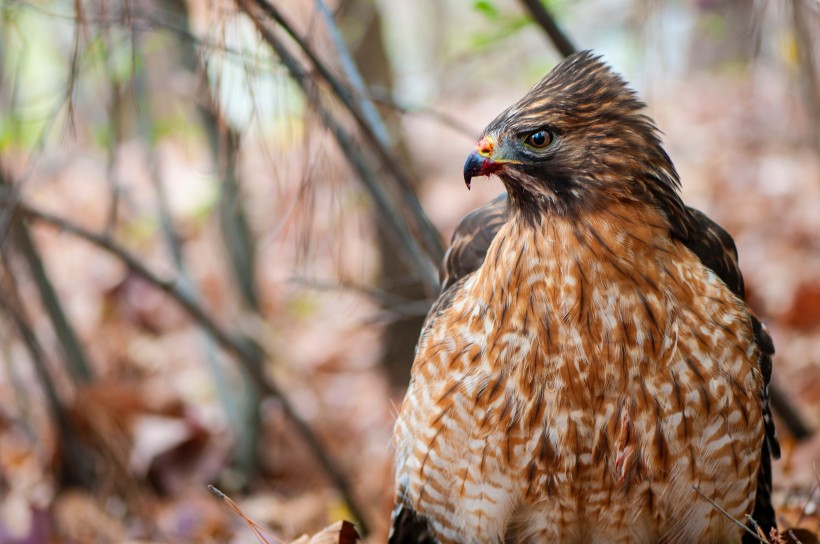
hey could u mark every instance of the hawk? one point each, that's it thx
(590, 371)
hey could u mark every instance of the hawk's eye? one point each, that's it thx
(539, 139)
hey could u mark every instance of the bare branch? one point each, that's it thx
(249, 354)
(350, 70)
(77, 469)
(76, 361)
(546, 21)
(418, 259)
(804, 21)
(428, 232)
(258, 530)
(242, 410)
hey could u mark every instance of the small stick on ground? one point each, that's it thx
(755, 526)
(729, 516)
(794, 538)
(261, 533)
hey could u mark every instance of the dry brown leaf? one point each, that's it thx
(804, 311)
(78, 517)
(341, 532)
(796, 536)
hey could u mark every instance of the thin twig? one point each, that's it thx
(417, 257)
(379, 296)
(794, 538)
(12, 191)
(261, 533)
(729, 516)
(249, 354)
(383, 98)
(141, 22)
(755, 527)
(351, 72)
(547, 22)
(429, 234)
(115, 121)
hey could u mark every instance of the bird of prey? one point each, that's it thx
(591, 371)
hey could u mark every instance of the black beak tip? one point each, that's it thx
(472, 167)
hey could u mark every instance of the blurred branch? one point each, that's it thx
(76, 361)
(418, 259)
(806, 22)
(249, 354)
(236, 233)
(16, 381)
(383, 98)
(351, 72)
(546, 21)
(399, 313)
(11, 192)
(394, 307)
(115, 137)
(428, 232)
(77, 469)
(784, 407)
(140, 22)
(242, 409)
(379, 296)
(74, 68)
(241, 406)
(145, 22)
(224, 143)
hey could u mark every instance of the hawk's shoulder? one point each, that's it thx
(471, 240)
(716, 250)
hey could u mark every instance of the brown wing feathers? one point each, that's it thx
(471, 239)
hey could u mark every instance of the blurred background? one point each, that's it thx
(220, 224)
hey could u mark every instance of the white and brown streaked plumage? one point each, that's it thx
(591, 357)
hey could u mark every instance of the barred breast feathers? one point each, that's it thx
(576, 353)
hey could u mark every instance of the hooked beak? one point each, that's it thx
(481, 161)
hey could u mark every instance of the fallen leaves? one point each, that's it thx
(341, 532)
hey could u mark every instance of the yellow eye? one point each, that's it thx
(539, 139)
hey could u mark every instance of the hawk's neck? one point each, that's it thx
(584, 248)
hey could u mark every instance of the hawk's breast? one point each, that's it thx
(576, 388)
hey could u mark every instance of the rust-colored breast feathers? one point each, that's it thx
(575, 388)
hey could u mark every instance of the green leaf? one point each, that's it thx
(487, 9)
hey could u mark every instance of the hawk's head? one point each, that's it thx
(577, 140)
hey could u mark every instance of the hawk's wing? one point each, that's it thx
(716, 250)
(472, 239)
(468, 247)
